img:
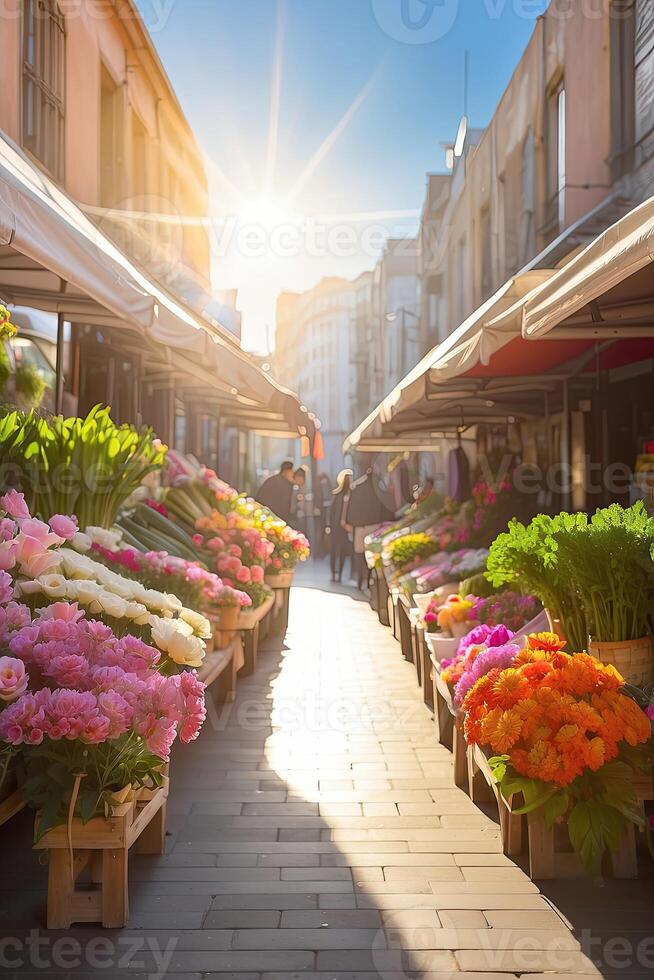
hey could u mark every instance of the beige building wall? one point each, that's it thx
(143, 158)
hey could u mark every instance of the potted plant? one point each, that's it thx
(611, 554)
(559, 731)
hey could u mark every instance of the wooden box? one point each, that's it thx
(101, 849)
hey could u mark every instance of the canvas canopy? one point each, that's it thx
(53, 258)
(606, 291)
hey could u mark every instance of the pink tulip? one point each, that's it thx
(8, 529)
(64, 527)
(68, 612)
(14, 504)
(8, 551)
(39, 530)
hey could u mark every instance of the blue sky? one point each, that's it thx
(396, 65)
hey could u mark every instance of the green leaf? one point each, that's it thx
(556, 807)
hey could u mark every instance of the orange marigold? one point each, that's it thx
(545, 641)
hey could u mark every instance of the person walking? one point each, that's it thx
(298, 519)
(339, 536)
(276, 493)
(368, 507)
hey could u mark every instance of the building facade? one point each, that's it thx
(569, 150)
(343, 343)
(85, 94)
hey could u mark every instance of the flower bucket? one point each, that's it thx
(422, 600)
(226, 624)
(634, 659)
(279, 580)
(554, 626)
(539, 624)
(442, 647)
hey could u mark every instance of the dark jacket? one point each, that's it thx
(368, 503)
(276, 493)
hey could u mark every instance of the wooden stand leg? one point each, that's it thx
(541, 848)
(115, 895)
(226, 684)
(511, 827)
(153, 838)
(444, 721)
(250, 651)
(459, 757)
(427, 689)
(624, 861)
(60, 889)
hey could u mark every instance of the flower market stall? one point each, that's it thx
(128, 578)
(541, 665)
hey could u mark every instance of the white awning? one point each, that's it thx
(52, 257)
(605, 291)
(489, 328)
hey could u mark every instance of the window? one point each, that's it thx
(556, 155)
(623, 96)
(43, 83)
(110, 141)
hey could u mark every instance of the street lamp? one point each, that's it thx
(405, 312)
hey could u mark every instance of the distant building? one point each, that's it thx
(342, 343)
(569, 150)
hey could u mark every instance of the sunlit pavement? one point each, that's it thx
(314, 830)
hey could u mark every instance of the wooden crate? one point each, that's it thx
(422, 654)
(550, 855)
(250, 626)
(221, 667)
(404, 626)
(449, 724)
(483, 788)
(101, 849)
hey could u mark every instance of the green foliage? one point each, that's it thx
(30, 385)
(411, 546)
(53, 767)
(595, 574)
(86, 467)
(611, 557)
(525, 558)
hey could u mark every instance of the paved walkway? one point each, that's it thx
(314, 830)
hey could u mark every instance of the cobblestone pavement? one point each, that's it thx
(314, 831)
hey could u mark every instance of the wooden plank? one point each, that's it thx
(115, 888)
(12, 805)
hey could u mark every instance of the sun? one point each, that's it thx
(266, 211)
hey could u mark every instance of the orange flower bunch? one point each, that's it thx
(553, 714)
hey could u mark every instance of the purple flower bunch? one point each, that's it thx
(495, 656)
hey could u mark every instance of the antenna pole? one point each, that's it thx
(466, 73)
